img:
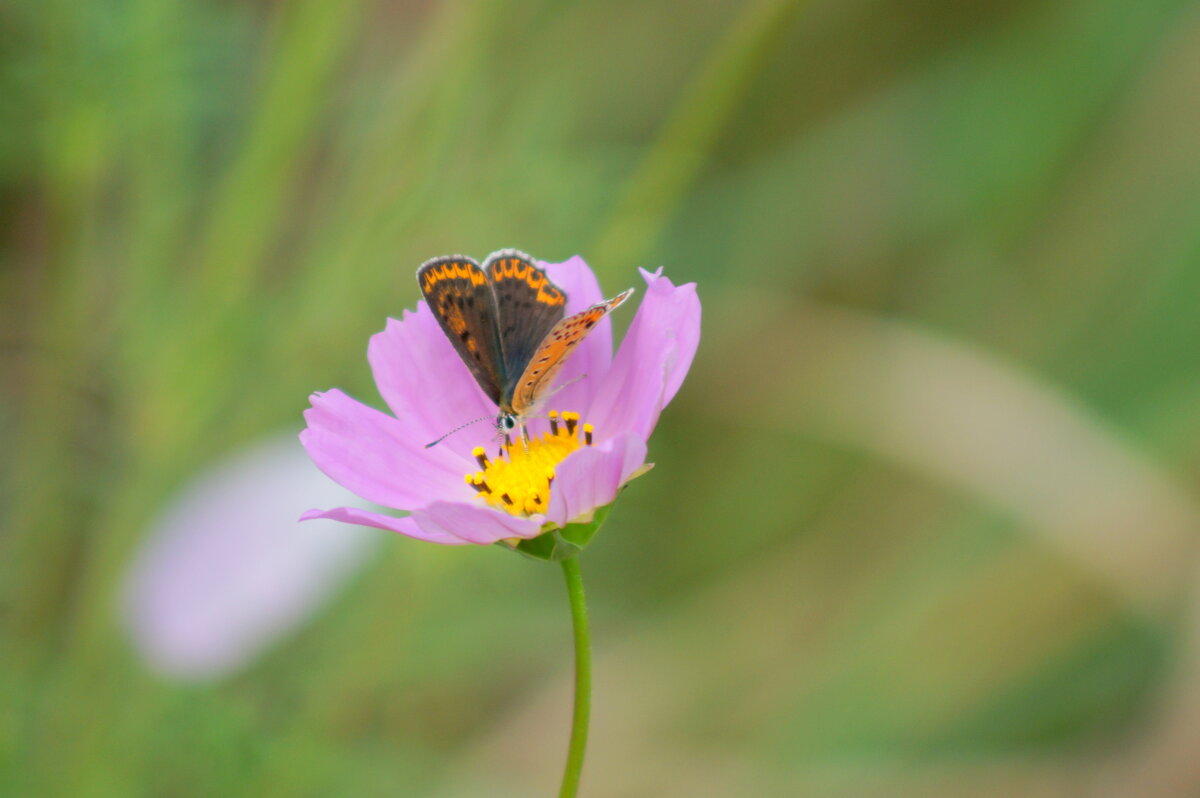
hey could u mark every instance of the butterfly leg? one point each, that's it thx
(558, 388)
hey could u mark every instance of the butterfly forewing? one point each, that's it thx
(460, 295)
(523, 393)
(529, 306)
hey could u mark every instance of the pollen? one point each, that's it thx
(520, 478)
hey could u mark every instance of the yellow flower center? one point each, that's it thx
(519, 480)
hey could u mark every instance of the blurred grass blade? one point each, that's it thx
(691, 131)
(963, 417)
(253, 195)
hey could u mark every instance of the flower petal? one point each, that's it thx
(588, 364)
(590, 478)
(652, 361)
(405, 526)
(377, 456)
(577, 281)
(425, 382)
(225, 570)
(473, 523)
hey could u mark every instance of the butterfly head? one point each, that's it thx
(506, 423)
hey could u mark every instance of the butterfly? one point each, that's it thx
(507, 321)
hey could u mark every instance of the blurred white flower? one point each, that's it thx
(227, 570)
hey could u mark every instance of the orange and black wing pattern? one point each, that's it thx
(555, 348)
(528, 306)
(460, 295)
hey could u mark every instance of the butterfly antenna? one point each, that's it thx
(459, 428)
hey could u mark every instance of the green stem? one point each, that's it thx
(583, 679)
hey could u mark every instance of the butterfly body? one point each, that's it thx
(507, 321)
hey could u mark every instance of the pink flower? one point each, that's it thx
(454, 492)
(224, 573)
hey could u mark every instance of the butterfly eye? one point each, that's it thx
(509, 422)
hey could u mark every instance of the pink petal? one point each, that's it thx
(590, 477)
(652, 361)
(474, 523)
(405, 526)
(425, 382)
(225, 570)
(591, 359)
(577, 280)
(377, 456)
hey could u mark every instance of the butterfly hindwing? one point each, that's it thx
(524, 392)
(460, 295)
(528, 304)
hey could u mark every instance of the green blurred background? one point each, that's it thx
(923, 517)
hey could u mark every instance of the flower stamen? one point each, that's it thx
(519, 479)
(480, 456)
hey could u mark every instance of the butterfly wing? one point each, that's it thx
(523, 393)
(460, 295)
(528, 305)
